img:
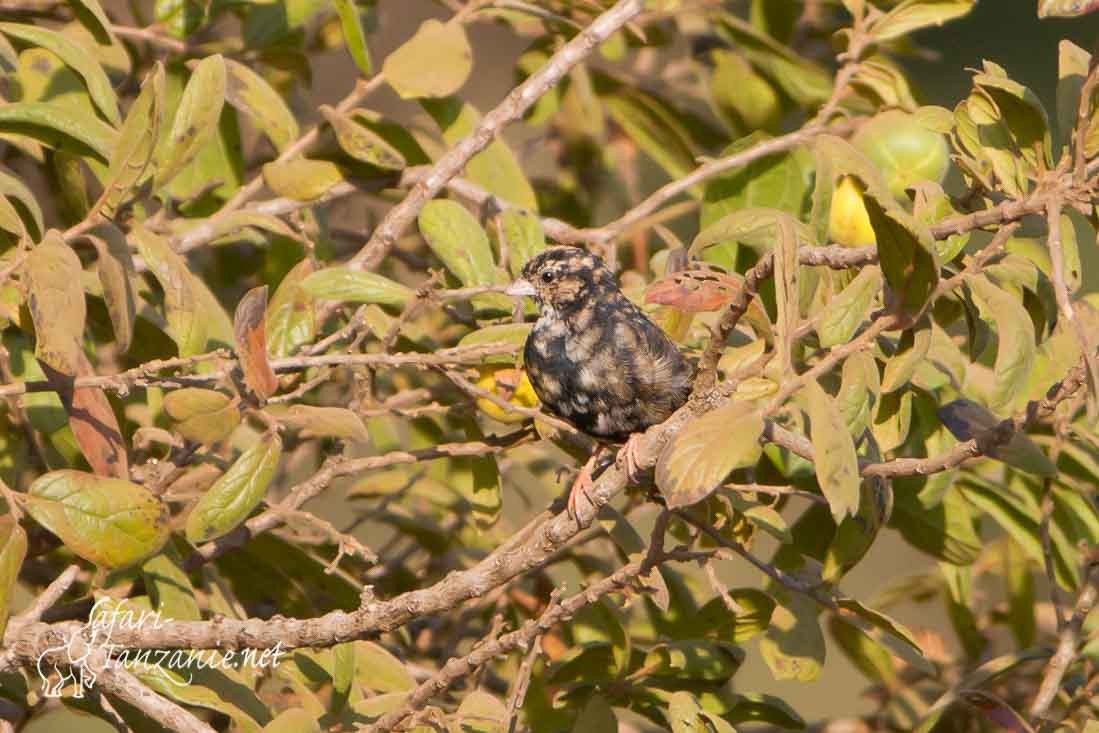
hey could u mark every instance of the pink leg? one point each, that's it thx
(631, 461)
(582, 486)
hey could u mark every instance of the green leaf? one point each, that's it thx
(806, 82)
(910, 354)
(523, 233)
(684, 715)
(495, 168)
(379, 671)
(353, 36)
(480, 712)
(597, 715)
(793, 647)
(892, 420)
(59, 127)
(294, 720)
(912, 15)
(202, 415)
(13, 549)
(76, 58)
(196, 120)
(756, 228)
(860, 391)
(13, 188)
(837, 464)
(236, 492)
(347, 285)
(302, 179)
(1015, 349)
(1072, 71)
(196, 321)
(753, 614)
(906, 252)
(107, 521)
(780, 181)
(700, 456)
(362, 143)
(136, 144)
(169, 588)
(743, 98)
(943, 527)
(435, 62)
(291, 319)
(251, 94)
(91, 16)
(457, 239)
(846, 311)
(333, 422)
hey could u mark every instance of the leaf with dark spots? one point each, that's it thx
(249, 326)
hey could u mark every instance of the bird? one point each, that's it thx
(595, 359)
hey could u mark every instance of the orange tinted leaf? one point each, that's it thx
(95, 426)
(249, 326)
(694, 290)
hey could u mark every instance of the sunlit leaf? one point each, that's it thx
(355, 286)
(236, 493)
(291, 321)
(110, 522)
(435, 62)
(136, 143)
(251, 94)
(59, 127)
(196, 119)
(362, 143)
(334, 422)
(837, 464)
(1015, 351)
(13, 549)
(250, 328)
(202, 415)
(911, 15)
(457, 239)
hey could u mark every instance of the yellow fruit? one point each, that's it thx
(848, 222)
(512, 385)
(904, 149)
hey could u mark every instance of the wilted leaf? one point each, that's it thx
(695, 290)
(202, 415)
(56, 301)
(457, 239)
(13, 549)
(116, 273)
(250, 328)
(362, 143)
(333, 422)
(136, 144)
(107, 521)
(966, 420)
(837, 464)
(291, 320)
(236, 492)
(251, 94)
(196, 119)
(76, 58)
(708, 448)
(302, 179)
(353, 36)
(356, 286)
(435, 62)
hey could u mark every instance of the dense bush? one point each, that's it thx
(340, 501)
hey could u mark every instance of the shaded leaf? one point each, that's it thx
(333, 422)
(13, 549)
(910, 354)
(116, 271)
(107, 521)
(169, 588)
(56, 302)
(236, 492)
(136, 144)
(849, 308)
(597, 715)
(906, 252)
(362, 143)
(1015, 351)
(93, 421)
(793, 646)
(379, 671)
(966, 419)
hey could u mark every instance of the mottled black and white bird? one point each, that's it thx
(594, 358)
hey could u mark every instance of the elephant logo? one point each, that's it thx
(65, 664)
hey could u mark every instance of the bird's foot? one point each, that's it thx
(630, 460)
(582, 487)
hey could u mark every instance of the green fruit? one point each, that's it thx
(904, 150)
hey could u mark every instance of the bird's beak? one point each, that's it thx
(520, 287)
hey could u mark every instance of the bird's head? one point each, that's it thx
(564, 279)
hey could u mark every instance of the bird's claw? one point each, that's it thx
(581, 487)
(629, 460)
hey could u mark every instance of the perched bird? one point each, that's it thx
(594, 358)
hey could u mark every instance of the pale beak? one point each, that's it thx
(520, 287)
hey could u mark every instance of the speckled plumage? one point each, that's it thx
(593, 357)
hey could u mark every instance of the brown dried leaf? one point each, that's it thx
(695, 290)
(93, 421)
(250, 328)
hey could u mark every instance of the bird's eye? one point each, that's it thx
(547, 277)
